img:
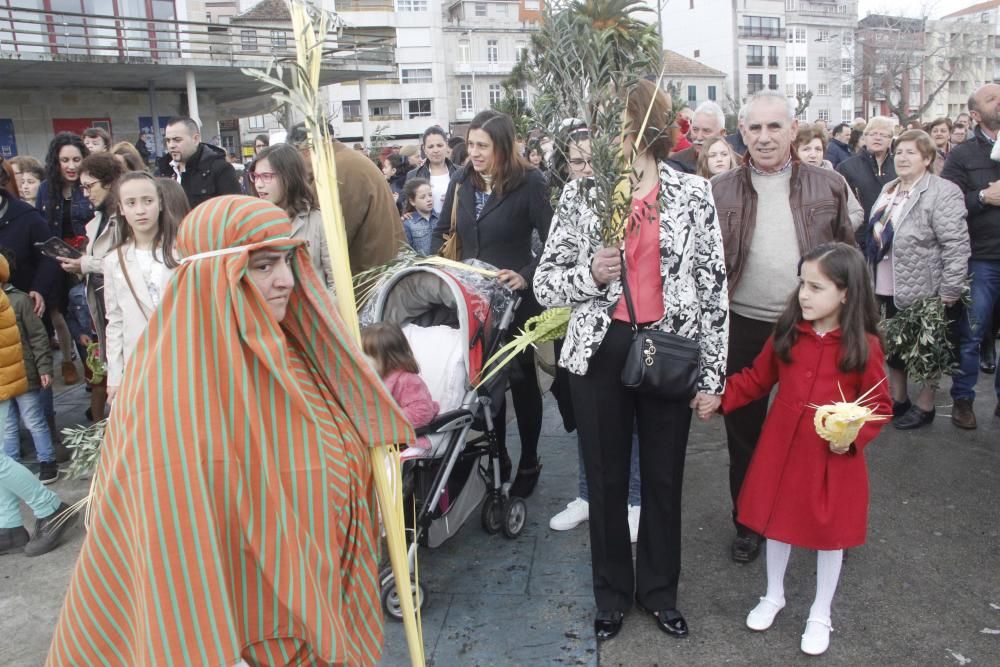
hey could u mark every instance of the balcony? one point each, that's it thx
(464, 114)
(48, 49)
(748, 32)
(755, 61)
(484, 67)
(365, 5)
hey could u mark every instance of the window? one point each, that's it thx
(755, 83)
(824, 114)
(418, 108)
(521, 51)
(463, 51)
(823, 89)
(772, 56)
(379, 110)
(351, 110)
(480, 9)
(760, 26)
(789, 63)
(521, 94)
(789, 89)
(800, 63)
(692, 94)
(532, 5)
(248, 40)
(411, 5)
(420, 75)
(711, 93)
(800, 89)
(800, 35)
(256, 122)
(846, 38)
(501, 10)
(821, 62)
(772, 81)
(824, 36)
(492, 50)
(465, 97)
(845, 65)
(495, 94)
(279, 40)
(846, 90)
(755, 56)
(697, 53)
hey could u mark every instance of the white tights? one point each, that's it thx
(827, 575)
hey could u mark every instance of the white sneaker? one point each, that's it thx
(762, 616)
(633, 522)
(816, 638)
(575, 513)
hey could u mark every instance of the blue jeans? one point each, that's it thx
(634, 484)
(985, 292)
(17, 484)
(28, 406)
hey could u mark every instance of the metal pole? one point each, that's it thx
(366, 135)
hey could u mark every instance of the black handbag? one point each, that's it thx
(659, 363)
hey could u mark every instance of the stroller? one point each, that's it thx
(454, 321)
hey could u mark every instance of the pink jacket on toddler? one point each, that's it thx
(413, 396)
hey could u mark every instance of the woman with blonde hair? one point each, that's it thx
(716, 157)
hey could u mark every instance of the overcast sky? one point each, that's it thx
(913, 8)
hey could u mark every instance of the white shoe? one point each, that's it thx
(762, 616)
(816, 638)
(575, 513)
(633, 522)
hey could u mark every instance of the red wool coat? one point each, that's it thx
(796, 490)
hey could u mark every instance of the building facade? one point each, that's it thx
(819, 57)
(691, 81)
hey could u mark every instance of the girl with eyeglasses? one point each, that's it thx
(279, 176)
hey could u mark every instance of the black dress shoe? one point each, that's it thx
(607, 624)
(900, 408)
(669, 620)
(745, 548)
(914, 418)
(525, 481)
(988, 367)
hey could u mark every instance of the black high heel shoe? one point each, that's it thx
(525, 481)
(607, 624)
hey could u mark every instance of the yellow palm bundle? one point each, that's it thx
(839, 423)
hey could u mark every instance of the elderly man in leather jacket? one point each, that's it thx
(772, 210)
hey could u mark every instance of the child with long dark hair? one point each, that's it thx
(136, 271)
(800, 489)
(388, 348)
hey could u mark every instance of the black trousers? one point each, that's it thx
(743, 426)
(605, 415)
(525, 393)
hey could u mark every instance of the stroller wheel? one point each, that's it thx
(515, 516)
(390, 597)
(492, 514)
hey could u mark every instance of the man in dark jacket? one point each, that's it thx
(838, 150)
(975, 167)
(772, 210)
(868, 171)
(201, 169)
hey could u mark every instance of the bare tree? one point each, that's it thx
(906, 63)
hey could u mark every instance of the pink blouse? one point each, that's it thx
(642, 261)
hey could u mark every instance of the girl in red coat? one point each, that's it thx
(800, 489)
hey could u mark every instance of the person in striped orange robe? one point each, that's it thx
(233, 514)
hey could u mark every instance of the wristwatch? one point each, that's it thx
(982, 197)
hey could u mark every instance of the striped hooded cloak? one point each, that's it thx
(233, 513)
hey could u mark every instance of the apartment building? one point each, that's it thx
(819, 56)
(745, 39)
(969, 40)
(692, 81)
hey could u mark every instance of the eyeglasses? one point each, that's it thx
(265, 177)
(86, 187)
(579, 163)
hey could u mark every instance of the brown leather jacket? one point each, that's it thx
(819, 208)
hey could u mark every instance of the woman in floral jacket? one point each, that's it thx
(676, 275)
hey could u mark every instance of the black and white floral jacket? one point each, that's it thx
(695, 295)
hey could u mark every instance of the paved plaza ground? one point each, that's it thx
(925, 590)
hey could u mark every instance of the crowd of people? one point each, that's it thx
(775, 249)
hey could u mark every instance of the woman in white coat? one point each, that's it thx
(138, 269)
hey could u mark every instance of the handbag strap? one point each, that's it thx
(454, 210)
(628, 294)
(128, 280)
